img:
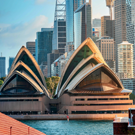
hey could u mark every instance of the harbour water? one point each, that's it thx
(72, 127)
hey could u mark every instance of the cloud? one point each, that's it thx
(40, 1)
(12, 37)
(23, 32)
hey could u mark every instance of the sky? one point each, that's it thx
(21, 19)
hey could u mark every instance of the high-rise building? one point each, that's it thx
(103, 25)
(123, 12)
(96, 22)
(59, 32)
(43, 44)
(31, 47)
(2, 66)
(51, 57)
(71, 6)
(59, 64)
(82, 24)
(59, 35)
(69, 48)
(129, 83)
(106, 47)
(107, 27)
(125, 58)
(11, 59)
(132, 5)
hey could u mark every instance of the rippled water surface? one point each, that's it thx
(72, 127)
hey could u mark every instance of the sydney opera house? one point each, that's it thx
(87, 86)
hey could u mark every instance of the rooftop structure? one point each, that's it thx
(125, 125)
(10, 126)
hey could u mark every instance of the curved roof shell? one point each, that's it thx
(87, 71)
(92, 61)
(26, 77)
(26, 57)
(22, 67)
(82, 53)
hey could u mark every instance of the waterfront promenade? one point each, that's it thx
(71, 116)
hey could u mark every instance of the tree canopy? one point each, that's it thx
(52, 83)
(1, 82)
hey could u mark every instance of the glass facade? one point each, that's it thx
(71, 6)
(59, 35)
(18, 85)
(82, 24)
(99, 80)
(11, 59)
(2, 67)
(44, 44)
(70, 21)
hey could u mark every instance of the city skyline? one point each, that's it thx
(18, 26)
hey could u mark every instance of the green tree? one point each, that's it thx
(132, 96)
(1, 82)
(2, 78)
(52, 83)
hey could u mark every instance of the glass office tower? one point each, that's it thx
(59, 35)
(59, 32)
(71, 6)
(2, 66)
(82, 24)
(11, 59)
(43, 44)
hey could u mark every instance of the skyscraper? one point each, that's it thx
(43, 44)
(31, 47)
(124, 27)
(133, 22)
(96, 22)
(71, 6)
(125, 58)
(2, 66)
(106, 47)
(59, 32)
(82, 24)
(11, 59)
(51, 57)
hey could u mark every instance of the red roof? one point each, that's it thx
(17, 127)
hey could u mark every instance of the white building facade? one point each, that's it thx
(125, 58)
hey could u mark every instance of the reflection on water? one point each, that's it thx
(72, 127)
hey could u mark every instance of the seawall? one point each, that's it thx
(71, 116)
